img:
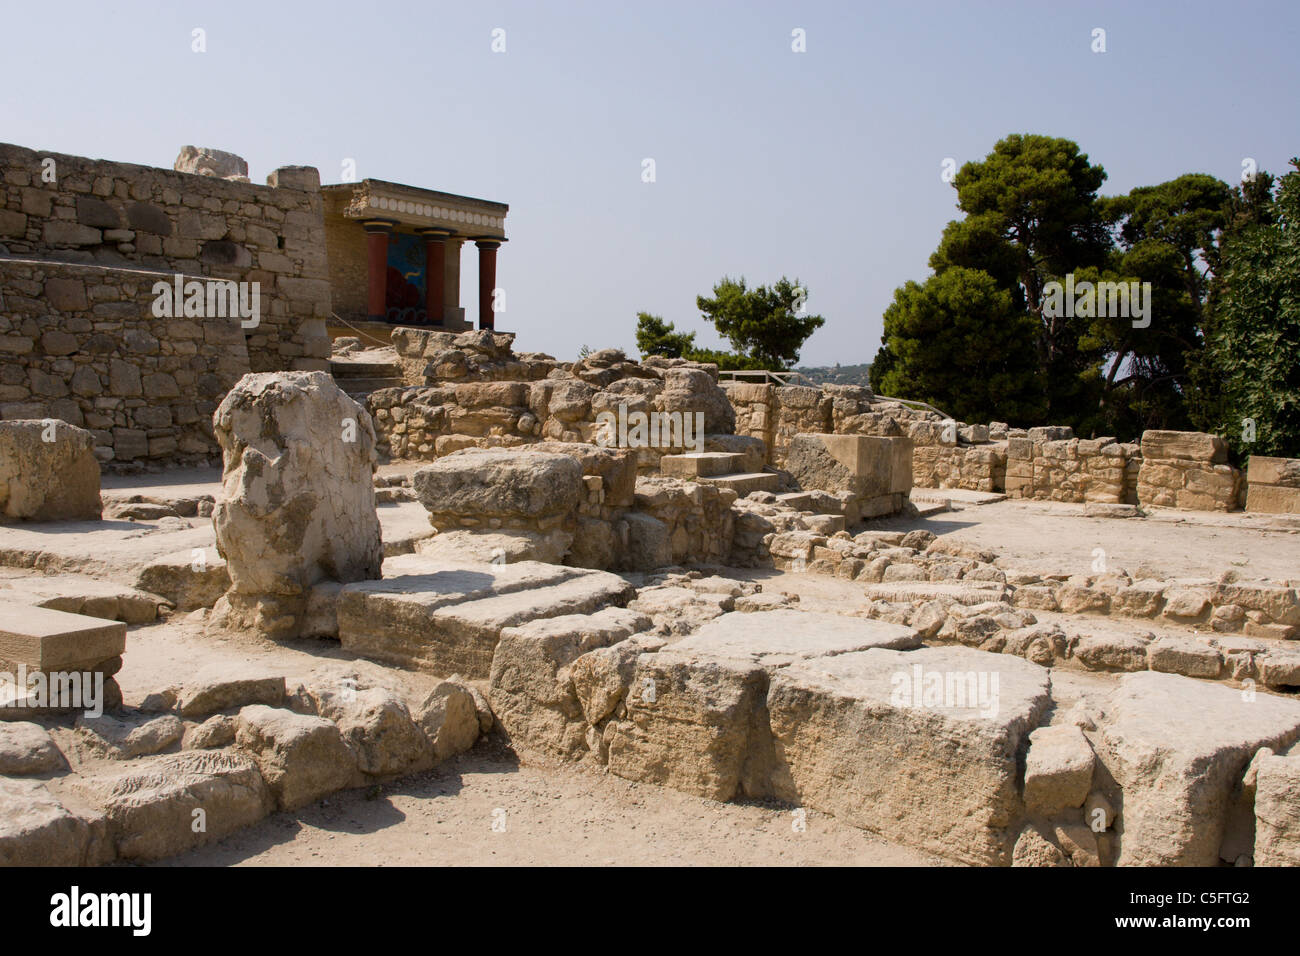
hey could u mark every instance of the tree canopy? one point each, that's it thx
(765, 326)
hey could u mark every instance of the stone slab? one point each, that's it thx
(48, 640)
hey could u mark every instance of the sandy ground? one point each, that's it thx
(1045, 536)
(544, 816)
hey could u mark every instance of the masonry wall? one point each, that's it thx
(1168, 469)
(120, 215)
(80, 343)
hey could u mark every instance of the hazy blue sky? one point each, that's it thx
(823, 165)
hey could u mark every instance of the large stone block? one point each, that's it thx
(919, 746)
(48, 640)
(302, 758)
(298, 498)
(532, 692)
(1192, 446)
(514, 486)
(1277, 811)
(869, 466)
(1178, 747)
(696, 718)
(150, 807)
(48, 471)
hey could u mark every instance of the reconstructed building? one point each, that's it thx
(86, 244)
(395, 253)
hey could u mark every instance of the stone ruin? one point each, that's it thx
(932, 719)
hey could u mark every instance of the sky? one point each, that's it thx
(823, 165)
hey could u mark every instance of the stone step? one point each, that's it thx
(709, 464)
(743, 483)
(49, 640)
(446, 618)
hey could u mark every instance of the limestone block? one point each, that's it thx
(302, 758)
(47, 640)
(50, 480)
(516, 486)
(298, 498)
(1178, 747)
(1058, 769)
(848, 728)
(1277, 811)
(150, 806)
(1191, 446)
(532, 691)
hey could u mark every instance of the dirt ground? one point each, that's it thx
(544, 816)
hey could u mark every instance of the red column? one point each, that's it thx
(487, 280)
(377, 232)
(435, 273)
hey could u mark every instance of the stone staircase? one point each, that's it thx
(360, 378)
(720, 468)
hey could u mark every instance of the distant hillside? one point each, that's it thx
(838, 374)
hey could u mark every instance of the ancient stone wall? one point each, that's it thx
(80, 343)
(1170, 469)
(478, 393)
(1187, 470)
(120, 215)
(1274, 485)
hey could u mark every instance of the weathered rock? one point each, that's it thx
(298, 497)
(1058, 769)
(26, 748)
(303, 758)
(161, 806)
(513, 486)
(207, 696)
(691, 390)
(601, 678)
(217, 731)
(124, 739)
(848, 729)
(1121, 652)
(188, 579)
(1035, 847)
(378, 727)
(205, 161)
(1177, 748)
(694, 725)
(449, 719)
(48, 471)
(532, 691)
(1277, 811)
(37, 830)
(777, 638)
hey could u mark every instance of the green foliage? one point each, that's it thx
(1034, 216)
(654, 336)
(1251, 365)
(763, 324)
(958, 342)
